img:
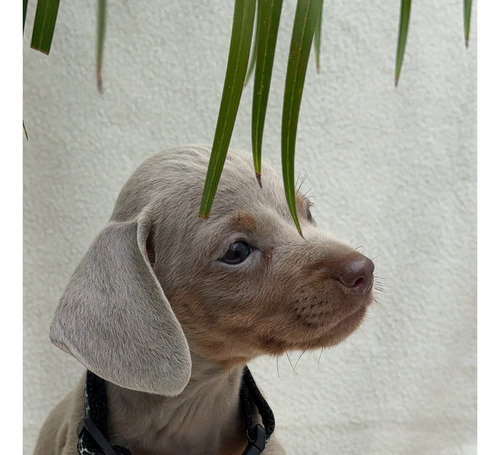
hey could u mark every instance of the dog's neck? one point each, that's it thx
(150, 424)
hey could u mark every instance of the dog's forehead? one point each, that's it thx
(239, 188)
(174, 181)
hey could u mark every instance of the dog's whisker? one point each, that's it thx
(360, 248)
(300, 356)
(278, 366)
(377, 256)
(380, 283)
(290, 362)
(309, 197)
(380, 287)
(320, 355)
(302, 179)
(305, 193)
(317, 195)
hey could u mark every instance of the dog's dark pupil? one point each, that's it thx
(237, 253)
(309, 216)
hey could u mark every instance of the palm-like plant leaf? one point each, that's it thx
(251, 65)
(467, 15)
(45, 22)
(306, 17)
(268, 17)
(306, 29)
(101, 30)
(317, 37)
(241, 39)
(253, 56)
(404, 21)
(25, 8)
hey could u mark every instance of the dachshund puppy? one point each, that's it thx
(166, 309)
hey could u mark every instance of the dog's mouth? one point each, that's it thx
(329, 308)
(317, 328)
(333, 330)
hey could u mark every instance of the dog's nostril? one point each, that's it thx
(356, 273)
(358, 283)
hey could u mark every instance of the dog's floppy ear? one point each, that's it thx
(115, 319)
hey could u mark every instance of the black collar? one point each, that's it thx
(93, 429)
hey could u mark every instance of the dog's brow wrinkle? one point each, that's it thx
(244, 222)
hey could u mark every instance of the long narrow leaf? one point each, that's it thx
(43, 27)
(467, 15)
(267, 34)
(404, 21)
(253, 57)
(251, 65)
(317, 37)
(306, 18)
(241, 39)
(25, 8)
(101, 31)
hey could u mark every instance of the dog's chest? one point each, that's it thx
(184, 431)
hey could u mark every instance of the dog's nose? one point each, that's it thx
(355, 273)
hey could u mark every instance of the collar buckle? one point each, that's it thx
(256, 444)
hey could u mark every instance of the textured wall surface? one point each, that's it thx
(390, 170)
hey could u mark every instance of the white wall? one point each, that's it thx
(390, 170)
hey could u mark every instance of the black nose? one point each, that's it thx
(356, 273)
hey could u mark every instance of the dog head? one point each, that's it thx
(160, 283)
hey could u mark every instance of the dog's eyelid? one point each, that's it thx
(237, 253)
(310, 218)
(224, 242)
(309, 205)
(307, 202)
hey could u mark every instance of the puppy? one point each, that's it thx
(167, 308)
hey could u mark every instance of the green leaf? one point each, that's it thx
(241, 40)
(253, 58)
(45, 22)
(467, 15)
(306, 18)
(265, 42)
(25, 8)
(251, 66)
(317, 37)
(404, 21)
(101, 31)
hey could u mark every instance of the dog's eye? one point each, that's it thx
(236, 254)
(309, 216)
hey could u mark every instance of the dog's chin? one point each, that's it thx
(332, 335)
(305, 335)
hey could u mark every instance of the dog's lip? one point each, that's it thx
(326, 335)
(330, 335)
(360, 309)
(333, 317)
(357, 311)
